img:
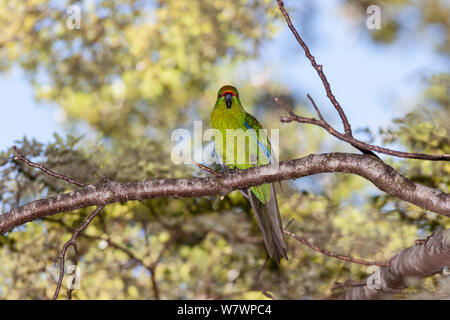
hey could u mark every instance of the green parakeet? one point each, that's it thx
(243, 148)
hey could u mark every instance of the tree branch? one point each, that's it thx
(205, 168)
(380, 174)
(259, 283)
(418, 261)
(350, 139)
(151, 267)
(72, 242)
(347, 136)
(51, 173)
(318, 68)
(332, 254)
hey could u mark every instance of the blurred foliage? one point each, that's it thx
(414, 17)
(133, 64)
(427, 130)
(134, 72)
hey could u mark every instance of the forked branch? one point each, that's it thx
(347, 136)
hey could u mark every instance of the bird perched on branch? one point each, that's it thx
(241, 143)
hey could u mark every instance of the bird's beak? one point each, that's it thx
(228, 100)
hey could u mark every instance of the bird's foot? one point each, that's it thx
(227, 169)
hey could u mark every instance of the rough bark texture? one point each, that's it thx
(371, 168)
(415, 262)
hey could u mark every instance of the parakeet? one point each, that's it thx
(227, 115)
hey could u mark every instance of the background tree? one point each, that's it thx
(133, 73)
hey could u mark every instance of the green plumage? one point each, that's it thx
(244, 146)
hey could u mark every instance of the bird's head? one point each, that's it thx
(228, 95)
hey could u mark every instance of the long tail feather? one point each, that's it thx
(269, 221)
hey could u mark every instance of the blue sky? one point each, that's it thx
(374, 83)
(20, 114)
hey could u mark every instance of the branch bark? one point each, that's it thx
(347, 136)
(380, 174)
(418, 261)
(360, 145)
(51, 173)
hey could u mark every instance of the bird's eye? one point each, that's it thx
(219, 95)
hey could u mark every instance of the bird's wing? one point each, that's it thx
(262, 140)
(266, 148)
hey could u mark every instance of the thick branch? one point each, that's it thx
(418, 261)
(371, 168)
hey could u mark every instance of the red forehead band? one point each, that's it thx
(228, 92)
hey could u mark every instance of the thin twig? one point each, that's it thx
(335, 255)
(348, 283)
(205, 168)
(347, 136)
(315, 107)
(174, 236)
(152, 268)
(293, 117)
(318, 68)
(232, 237)
(259, 283)
(353, 141)
(72, 242)
(155, 285)
(41, 167)
(260, 270)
